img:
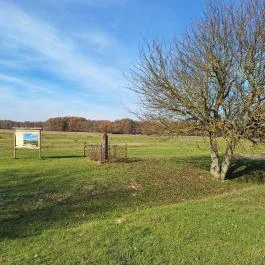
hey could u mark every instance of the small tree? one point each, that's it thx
(214, 77)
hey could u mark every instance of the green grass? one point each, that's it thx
(160, 207)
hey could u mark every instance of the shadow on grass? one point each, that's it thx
(61, 156)
(247, 170)
(127, 160)
(36, 201)
(241, 169)
(64, 213)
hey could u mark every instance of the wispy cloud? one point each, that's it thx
(30, 87)
(91, 2)
(22, 30)
(32, 47)
(16, 106)
(67, 57)
(96, 39)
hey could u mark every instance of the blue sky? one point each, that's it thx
(30, 136)
(69, 57)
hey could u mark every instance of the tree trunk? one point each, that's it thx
(215, 164)
(227, 160)
(220, 168)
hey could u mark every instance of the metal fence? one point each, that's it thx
(118, 152)
(96, 152)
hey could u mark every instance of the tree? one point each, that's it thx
(213, 77)
(55, 124)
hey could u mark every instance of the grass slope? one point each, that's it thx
(227, 229)
(158, 208)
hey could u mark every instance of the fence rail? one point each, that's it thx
(95, 152)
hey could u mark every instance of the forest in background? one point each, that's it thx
(79, 124)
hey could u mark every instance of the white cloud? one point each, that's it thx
(91, 2)
(23, 108)
(30, 44)
(64, 58)
(31, 86)
(97, 39)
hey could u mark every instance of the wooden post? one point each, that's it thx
(85, 149)
(105, 146)
(114, 150)
(101, 149)
(40, 146)
(14, 152)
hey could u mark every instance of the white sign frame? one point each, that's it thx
(27, 138)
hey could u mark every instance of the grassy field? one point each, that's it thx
(159, 207)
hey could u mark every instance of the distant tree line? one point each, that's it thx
(8, 124)
(79, 124)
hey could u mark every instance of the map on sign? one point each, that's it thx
(27, 139)
(31, 139)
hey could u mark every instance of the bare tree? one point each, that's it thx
(214, 76)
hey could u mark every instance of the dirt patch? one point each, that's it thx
(134, 185)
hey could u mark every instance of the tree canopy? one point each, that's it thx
(214, 76)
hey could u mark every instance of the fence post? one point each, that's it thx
(114, 150)
(100, 148)
(85, 149)
(105, 146)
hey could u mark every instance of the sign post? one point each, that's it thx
(14, 151)
(27, 138)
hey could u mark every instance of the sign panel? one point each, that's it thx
(29, 140)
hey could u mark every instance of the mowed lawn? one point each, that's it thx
(161, 206)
